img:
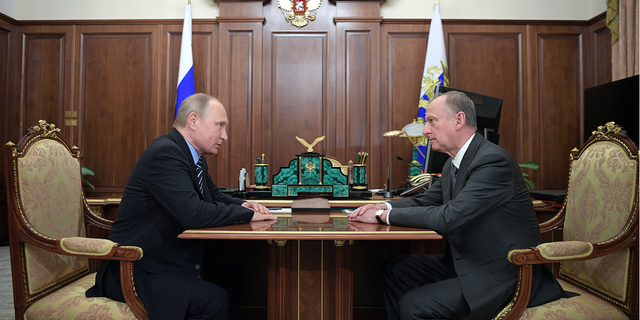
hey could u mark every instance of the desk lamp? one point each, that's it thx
(413, 133)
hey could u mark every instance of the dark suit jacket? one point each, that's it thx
(160, 201)
(489, 213)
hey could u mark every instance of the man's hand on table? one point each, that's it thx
(260, 212)
(367, 213)
(256, 207)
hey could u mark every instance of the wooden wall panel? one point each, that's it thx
(558, 98)
(236, 96)
(239, 86)
(238, 100)
(43, 79)
(5, 44)
(299, 101)
(46, 77)
(597, 60)
(299, 86)
(602, 55)
(358, 111)
(358, 105)
(490, 63)
(116, 89)
(402, 67)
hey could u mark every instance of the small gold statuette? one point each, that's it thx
(298, 12)
(310, 146)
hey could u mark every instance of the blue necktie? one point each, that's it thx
(199, 174)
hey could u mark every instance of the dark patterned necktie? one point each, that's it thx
(454, 176)
(199, 174)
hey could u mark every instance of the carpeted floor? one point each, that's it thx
(6, 288)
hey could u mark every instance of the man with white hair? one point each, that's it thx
(483, 207)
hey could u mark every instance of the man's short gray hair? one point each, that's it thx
(457, 101)
(198, 103)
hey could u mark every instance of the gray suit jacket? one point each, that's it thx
(489, 213)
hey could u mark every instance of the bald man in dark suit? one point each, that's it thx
(483, 207)
(163, 197)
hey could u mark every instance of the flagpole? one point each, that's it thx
(186, 81)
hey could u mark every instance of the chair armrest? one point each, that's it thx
(107, 249)
(553, 252)
(565, 250)
(99, 248)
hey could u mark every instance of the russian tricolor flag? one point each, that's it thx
(186, 83)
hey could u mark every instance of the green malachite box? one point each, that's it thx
(310, 172)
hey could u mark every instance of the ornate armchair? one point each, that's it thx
(48, 217)
(599, 255)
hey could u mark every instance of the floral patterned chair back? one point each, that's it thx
(50, 200)
(602, 202)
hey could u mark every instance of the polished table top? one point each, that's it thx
(311, 225)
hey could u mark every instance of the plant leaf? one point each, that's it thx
(529, 165)
(87, 171)
(530, 185)
(89, 183)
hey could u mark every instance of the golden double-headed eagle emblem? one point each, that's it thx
(299, 12)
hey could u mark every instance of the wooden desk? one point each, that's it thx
(310, 259)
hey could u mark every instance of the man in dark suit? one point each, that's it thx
(483, 207)
(166, 194)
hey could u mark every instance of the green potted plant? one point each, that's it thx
(527, 180)
(88, 172)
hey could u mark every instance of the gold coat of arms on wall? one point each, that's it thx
(299, 12)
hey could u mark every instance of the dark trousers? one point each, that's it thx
(227, 275)
(422, 287)
(214, 297)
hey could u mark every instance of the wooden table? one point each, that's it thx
(310, 259)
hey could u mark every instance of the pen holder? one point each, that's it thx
(261, 175)
(360, 177)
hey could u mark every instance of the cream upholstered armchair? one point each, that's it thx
(599, 255)
(48, 216)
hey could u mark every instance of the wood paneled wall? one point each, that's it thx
(5, 45)
(349, 75)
